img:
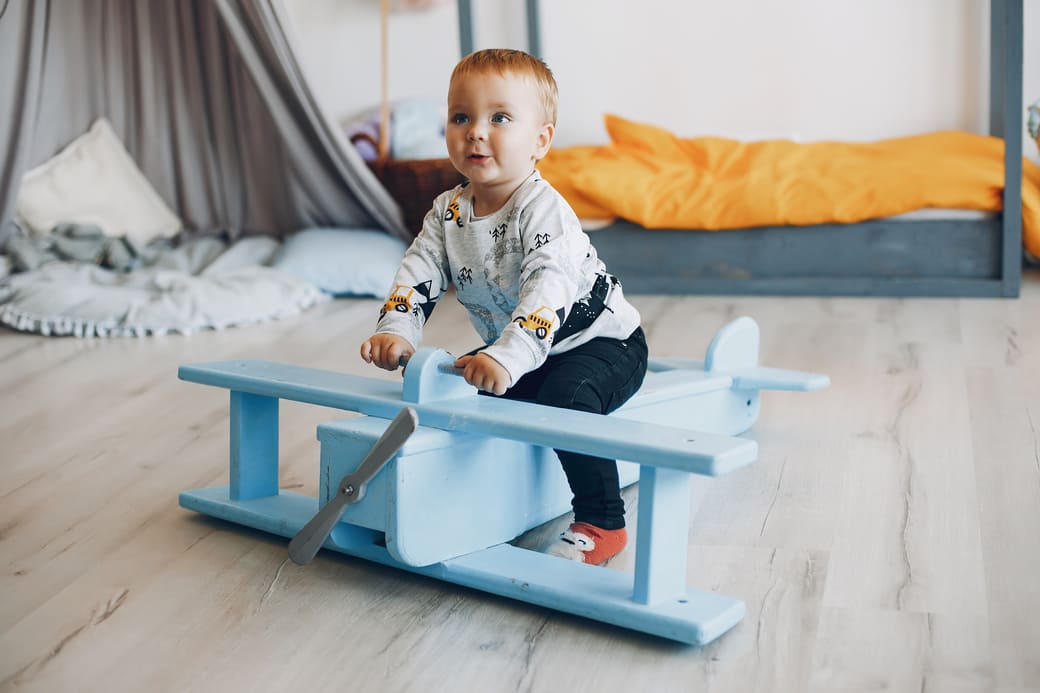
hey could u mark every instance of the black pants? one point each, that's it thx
(598, 376)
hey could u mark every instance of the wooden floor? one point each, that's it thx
(888, 537)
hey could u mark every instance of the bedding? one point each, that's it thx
(101, 257)
(649, 176)
(358, 262)
(94, 181)
(202, 284)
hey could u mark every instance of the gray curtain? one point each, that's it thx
(207, 97)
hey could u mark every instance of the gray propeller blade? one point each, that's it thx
(308, 541)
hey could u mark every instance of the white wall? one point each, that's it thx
(750, 69)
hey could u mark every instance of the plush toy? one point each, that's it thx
(416, 130)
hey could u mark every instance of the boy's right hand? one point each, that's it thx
(388, 351)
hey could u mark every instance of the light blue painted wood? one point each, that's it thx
(604, 595)
(488, 459)
(731, 361)
(425, 381)
(254, 445)
(677, 384)
(761, 378)
(427, 498)
(684, 393)
(697, 618)
(283, 514)
(728, 412)
(452, 494)
(662, 536)
(735, 346)
(638, 441)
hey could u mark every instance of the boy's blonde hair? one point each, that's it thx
(506, 60)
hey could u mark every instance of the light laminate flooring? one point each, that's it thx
(888, 538)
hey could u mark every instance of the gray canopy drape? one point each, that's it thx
(208, 99)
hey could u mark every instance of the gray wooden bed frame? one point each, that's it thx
(880, 257)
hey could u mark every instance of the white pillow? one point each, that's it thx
(94, 181)
(343, 262)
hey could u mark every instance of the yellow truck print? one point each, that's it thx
(400, 299)
(539, 322)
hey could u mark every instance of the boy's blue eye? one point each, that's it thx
(500, 118)
(459, 118)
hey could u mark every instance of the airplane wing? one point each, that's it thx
(591, 434)
(747, 378)
(762, 378)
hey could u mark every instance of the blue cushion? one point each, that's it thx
(343, 262)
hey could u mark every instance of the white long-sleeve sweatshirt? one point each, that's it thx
(527, 274)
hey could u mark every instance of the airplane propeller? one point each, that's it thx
(309, 540)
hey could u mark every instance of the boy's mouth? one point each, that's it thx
(478, 158)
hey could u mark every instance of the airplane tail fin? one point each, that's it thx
(734, 351)
(735, 347)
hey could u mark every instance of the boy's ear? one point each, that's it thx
(545, 138)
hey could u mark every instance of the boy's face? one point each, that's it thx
(496, 131)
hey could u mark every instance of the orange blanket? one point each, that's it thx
(650, 176)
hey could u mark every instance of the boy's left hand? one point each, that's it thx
(484, 373)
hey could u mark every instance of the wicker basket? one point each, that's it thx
(413, 183)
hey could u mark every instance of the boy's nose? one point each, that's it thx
(477, 132)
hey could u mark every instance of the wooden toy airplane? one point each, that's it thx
(466, 474)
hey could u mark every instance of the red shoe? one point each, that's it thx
(588, 543)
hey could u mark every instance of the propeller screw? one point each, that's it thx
(349, 489)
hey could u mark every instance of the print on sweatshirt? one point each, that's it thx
(527, 275)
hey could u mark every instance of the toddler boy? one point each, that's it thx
(556, 325)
